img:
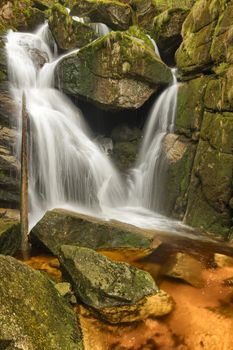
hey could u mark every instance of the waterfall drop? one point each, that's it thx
(68, 169)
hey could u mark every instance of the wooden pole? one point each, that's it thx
(24, 180)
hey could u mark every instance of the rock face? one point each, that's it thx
(115, 72)
(32, 314)
(60, 227)
(206, 48)
(69, 34)
(9, 166)
(167, 32)
(10, 238)
(110, 287)
(116, 14)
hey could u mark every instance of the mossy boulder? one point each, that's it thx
(163, 5)
(10, 237)
(61, 227)
(116, 14)
(166, 32)
(114, 290)
(116, 71)
(69, 34)
(33, 314)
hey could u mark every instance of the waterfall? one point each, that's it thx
(146, 185)
(68, 168)
(154, 44)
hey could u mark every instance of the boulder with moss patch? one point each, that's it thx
(69, 34)
(10, 237)
(116, 291)
(115, 72)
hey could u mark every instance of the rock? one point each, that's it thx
(61, 227)
(63, 288)
(10, 237)
(163, 5)
(117, 71)
(185, 267)
(32, 314)
(124, 133)
(210, 190)
(125, 155)
(189, 112)
(9, 166)
(116, 14)
(20, 15)
(167, 32)
(117, 291)
(223, 260)
(68, 34)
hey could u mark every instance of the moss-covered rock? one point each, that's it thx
(69, 34)
(116, 14)
(20, 15)
(180, 156)
(190, 107)
(166, 32)
(59, 227)
(33, 315)
(108, 287)
(10, 237)
(210, 189)
(116, 71)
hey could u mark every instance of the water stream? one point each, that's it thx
(67, 167)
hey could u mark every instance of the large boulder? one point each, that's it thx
(32, 313)
(116, 14)
(116, 291)
(61, 227)
(115, 72)
(68, 33)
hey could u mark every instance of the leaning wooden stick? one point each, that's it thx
(24, 179)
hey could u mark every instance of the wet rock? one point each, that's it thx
(117, 291)
(61, 227)
(117, 71)
(167, 32)
(69, 34)
(10, 238)
(116, 14)
(184, 267)
(33, 315)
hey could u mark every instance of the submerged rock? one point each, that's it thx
(116, 71)
(61, 227)
(69, 34)
(117, 291)
(10, 238)
(32, 314)
(185, 267)
(116, 14)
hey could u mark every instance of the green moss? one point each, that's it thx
(10, 237)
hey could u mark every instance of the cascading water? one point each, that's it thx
(67, 168)
(148, 176)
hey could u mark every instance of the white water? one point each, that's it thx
(146, 186)
(154, 44)
(67, 168)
